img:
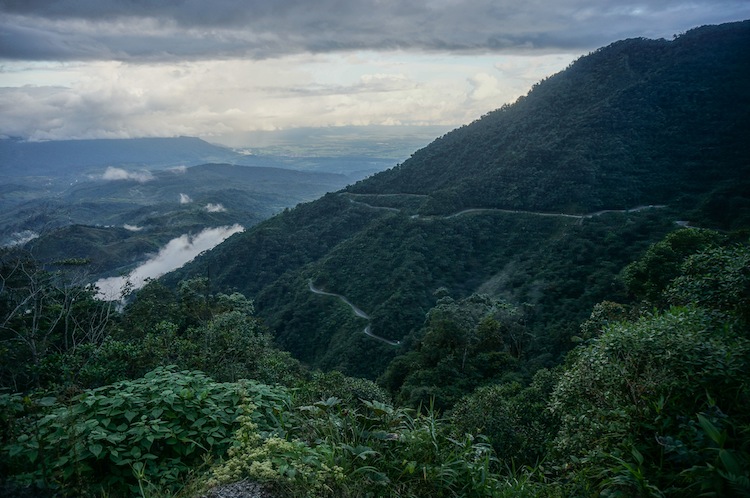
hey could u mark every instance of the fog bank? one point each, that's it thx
(176, 253)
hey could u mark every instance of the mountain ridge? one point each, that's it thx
(664, 128)
(596, 89)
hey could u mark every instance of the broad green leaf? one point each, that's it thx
(96, 450)
(712, 431)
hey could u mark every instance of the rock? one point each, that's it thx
(241, 489)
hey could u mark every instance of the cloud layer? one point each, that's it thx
(125, 68)
(259, 29)
(112, 173)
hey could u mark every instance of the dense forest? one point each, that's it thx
(527, 307)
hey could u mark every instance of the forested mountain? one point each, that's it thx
(637, 122)
(563, 188)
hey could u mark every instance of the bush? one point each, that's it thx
(514, 419)
(629, 401)
(147, 432)
(374, 450)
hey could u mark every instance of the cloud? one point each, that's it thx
(18, 239)
(258, 29)
(76, 69)
(119, 100)
(120, 174)
(132, 228)
(215, 208)
(179, 170)
(176, 253)
(484, 86)
(185, 199)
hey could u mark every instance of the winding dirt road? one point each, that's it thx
(498, 210)
(356, 310)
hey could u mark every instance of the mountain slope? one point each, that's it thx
(540, 203)
(633, 123)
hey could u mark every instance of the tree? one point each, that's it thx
(43, 314)
(629, 398)
(463, 344)
(718, 279)
(647, 277)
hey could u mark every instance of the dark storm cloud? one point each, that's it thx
(197, 29)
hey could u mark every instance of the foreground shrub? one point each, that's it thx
(374, 450)
(515, 419)
(643, 408)
(147, 432)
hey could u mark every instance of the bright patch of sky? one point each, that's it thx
(111, 69)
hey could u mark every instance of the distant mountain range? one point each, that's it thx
(114, 221)
(539, 203)
(63, 199)
(74, 157)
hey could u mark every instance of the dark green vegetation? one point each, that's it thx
(559, 175)
(153, 402)
(547, 347)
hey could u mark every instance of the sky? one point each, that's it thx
(220, 69)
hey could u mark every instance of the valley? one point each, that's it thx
(358, 312)
(114, 203)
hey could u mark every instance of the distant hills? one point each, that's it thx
(115, 222)
(539, 203)
(71, 198)
(73, 157)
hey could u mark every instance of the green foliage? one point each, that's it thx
(464, 344)
(153, 303)
(650, 403)
(372, 450)
(515, 419)
(602, 315)
(717, 279)
(152, 430)
(659, 125)
(91, 365)
(648, 277)
(633, 391)
(350, 390)
(196, 330)
(44, 315)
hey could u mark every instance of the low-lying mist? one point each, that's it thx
(176, 253)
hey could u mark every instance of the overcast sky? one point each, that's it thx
(217, 68)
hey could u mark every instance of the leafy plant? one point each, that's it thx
(373, 450)
(151, 430)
